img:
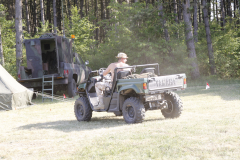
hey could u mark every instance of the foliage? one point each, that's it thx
(136, 31)
(8, 43)
(83, 29)
(226, 50)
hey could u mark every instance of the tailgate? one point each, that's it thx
(175, 81)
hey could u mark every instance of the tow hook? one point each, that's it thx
(163, 105)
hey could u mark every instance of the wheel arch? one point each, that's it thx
(124, 94)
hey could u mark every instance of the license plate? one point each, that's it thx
(153, 97)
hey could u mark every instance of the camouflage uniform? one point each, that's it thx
(100, 87)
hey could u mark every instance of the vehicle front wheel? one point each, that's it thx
(82, 109)
(72, 88)
(133, 110)
(174, 103)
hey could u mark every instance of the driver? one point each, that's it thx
(100, 86)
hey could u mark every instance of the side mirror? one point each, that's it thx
(87, 62)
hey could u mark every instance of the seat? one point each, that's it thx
(148, 70)
(122, 74)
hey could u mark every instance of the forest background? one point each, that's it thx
(196, 37)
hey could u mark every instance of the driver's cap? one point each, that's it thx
(121, 55)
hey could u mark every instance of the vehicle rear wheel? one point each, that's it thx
(82, 109)
(174, 102)
(133, 110)
(72, 88)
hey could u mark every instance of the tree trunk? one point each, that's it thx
(9, 16)
(86, 7)
(147, 1)
(35, 16)
(96, 16)
(81, 8)
(18, 27)
(179, 10)
(42, 12)
(107, 9)
(59, 14)
(199, 11)
(27, 16)
(1, 49)
(190, 41)
(222, 15)
(54, 17)
(216, 9)
(175, 11)
(102, 18)
(234, 5)
(195, 21)
(48, 14)
(209, 41)
(163, 21)
(229, 6)
(69, 13)
(76, 3)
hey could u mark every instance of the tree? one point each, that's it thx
(222, 14)
(18, 27)
(209, 41)
(195, 21)
(163, 20)
(27, 16)
(1, 49)
(81, 8)
(189, 40)
(2, 14)
(42, 12)
(54, 16)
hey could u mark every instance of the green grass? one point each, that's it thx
(209, 128)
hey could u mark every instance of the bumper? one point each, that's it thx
(32, 83)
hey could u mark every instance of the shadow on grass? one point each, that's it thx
(74, 125)
(228, 92)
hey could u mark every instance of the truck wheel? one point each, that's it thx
(118, 113)
(72, 88)
(82, 109)
(133, 110)
(174, 102)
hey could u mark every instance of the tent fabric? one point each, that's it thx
(13, 95)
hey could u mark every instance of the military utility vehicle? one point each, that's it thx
(132, 94)
(50, 56)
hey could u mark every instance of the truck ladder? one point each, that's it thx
(48, 89)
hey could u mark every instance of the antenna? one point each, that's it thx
(63, 20)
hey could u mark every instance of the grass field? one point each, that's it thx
(209, 128)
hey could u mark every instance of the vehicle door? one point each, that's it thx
(34, 57)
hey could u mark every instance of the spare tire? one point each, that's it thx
(72, 88)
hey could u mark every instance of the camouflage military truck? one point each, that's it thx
(53, 55)
(132, 94)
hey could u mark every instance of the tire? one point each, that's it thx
(174, 105)
(82, 109)
(72, 88)
(133, 110)
(118, 113)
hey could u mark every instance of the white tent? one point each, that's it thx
(12, 94)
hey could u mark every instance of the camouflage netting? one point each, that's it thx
(12, 94)
(143, 75)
